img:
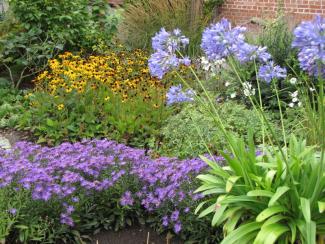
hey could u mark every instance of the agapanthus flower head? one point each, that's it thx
(309, 39)
(167, 46)
(246, 52)
(162, 62)
(270, 71)
(219, 39)
(176, 94)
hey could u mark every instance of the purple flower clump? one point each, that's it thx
(65, 172)
(270, 71)
(175, 94)
(166, 46)
(309, 39)
(127, 199)
(220, 40)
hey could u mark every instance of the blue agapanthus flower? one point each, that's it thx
(166, 57)
(176, 94)
(309, 39)
(270, 71)
(220, 40)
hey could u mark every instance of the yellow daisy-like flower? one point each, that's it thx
(60, 106)
(107, 98)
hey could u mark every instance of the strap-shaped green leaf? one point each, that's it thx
(208, 210)
(270, 211)
(270, 234)
(230, 182)
(260, 193)
(218, 215)
(305, 208)
(241, 233)
(321, 207)
(279, 192)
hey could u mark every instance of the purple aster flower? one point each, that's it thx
(165, 221)
(177, 227)
(127, 199)
(309, 39)
(174, 216)
(175, 94)
(269, 71)
(186, 210)
(66, 219)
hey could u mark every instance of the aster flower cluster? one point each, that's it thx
(176, 94)
(220, 40)
(166, 57)
(66, 172)
(309, 39)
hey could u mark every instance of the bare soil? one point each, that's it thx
(134, 235)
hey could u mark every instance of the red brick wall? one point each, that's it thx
(242, 11)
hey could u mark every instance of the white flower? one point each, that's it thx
(227, 84)
(293, 81)
(312, 89)
(295, 100)
(295, 94)
(299, 104)
(233, 95)
(219, 61)
(248, 89)
(291, 105)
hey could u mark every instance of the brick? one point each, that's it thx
(241, 11)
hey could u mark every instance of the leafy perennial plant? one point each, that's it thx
(68, 179)
(112, 96)
(279, 195)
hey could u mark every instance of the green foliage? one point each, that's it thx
(74, 116)
(11, 107)
(190, 132)
(277, 37)
(142, 19)
(266, 199)
(39, 222)
(47, 27)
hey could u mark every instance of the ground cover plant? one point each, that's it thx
(40, 32)
(85, 186)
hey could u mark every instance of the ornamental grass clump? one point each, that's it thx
(72, 183)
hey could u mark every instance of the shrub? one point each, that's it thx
(192, 130)
(142, 19)
(48, 27)
(100, 96)
(277, 37)
(11, 106)
(95, 184)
